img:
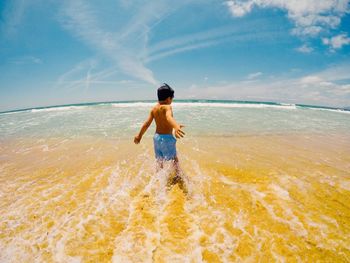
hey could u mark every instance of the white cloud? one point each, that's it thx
(173, 51)
(329, 87)
(123, 47)
(305, 49)
(336, 73)
(233, 33)
(83, 74)
(254, 75)
(193, 39)
(26, 60)
(12, 16)
(240, 8)
(311, 79)
(337, 42)
(310, 17)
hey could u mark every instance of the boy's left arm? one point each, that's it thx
(177, 127)
(144, 128)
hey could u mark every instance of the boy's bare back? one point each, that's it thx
(165, 122)
(160, 113)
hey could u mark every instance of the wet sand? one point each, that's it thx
(250, 198)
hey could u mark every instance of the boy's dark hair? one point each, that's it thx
(164, 92)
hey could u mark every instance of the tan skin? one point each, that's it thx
(162, 113)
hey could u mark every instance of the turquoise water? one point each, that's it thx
(205, 118)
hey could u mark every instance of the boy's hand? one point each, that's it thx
(137, 139)
(179, 133)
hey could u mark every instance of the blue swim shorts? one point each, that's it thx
(164, 146)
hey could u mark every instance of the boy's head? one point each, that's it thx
(164, 92)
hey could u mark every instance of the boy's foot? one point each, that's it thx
(178, 180)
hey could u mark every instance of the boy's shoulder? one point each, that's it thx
(161, 107)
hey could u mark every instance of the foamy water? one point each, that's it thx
(264, 184)
(119, 120)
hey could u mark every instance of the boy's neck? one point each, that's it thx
(165, 102)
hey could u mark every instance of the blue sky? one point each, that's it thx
(61, 52)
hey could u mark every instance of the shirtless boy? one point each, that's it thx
(164, 141)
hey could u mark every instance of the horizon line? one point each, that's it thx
(347, 108)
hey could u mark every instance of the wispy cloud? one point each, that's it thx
(81, 20)
(215, 36)
(84, 74)
(254, 75)
(189, 42)
(26, 60)
(12, 16)
(129, 46)
(327, 87)
(335, 73)
(194, 38)
(73, 73)
(173, 51)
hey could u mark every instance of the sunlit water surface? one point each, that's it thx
(264, 183)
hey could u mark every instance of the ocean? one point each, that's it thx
(266, 182)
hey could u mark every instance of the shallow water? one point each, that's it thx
(269, 195)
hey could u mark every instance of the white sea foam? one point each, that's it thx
(13, 112)
(59, 108)
(233, 105)
(132, 104)
(280, 192)
(208, 104)
(345, 185)
(240, 221)
(331, 110)
(251, 105)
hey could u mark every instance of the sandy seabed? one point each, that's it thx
(283, 198)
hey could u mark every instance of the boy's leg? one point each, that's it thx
(159, 164)
(158, 152)
(178, 179)
(177, 166)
